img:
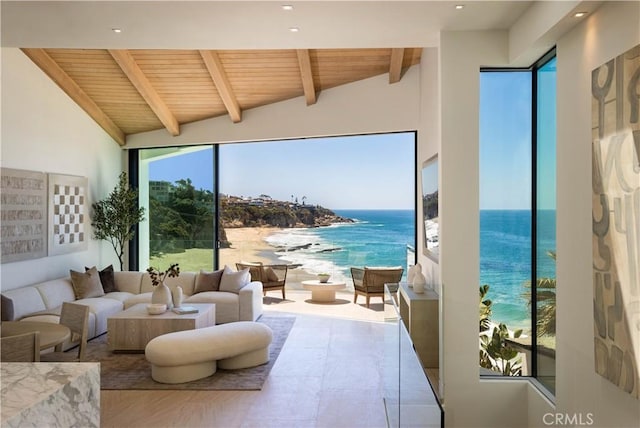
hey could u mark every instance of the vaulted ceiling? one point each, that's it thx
(142, 66)
(132, 91)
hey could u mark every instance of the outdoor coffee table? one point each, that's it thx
(323, 292)
(131, 329)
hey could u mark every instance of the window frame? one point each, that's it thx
(533, 69)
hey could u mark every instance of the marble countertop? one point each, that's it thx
(53, 394)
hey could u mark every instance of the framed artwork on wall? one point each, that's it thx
(430, 208)
(68, 214)
(24, 215)
(616, 220)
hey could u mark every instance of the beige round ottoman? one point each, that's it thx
(188, 355)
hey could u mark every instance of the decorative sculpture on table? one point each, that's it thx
(412, 272)
(419, 283)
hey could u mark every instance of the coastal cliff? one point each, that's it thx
(182, 217)
(237, 212)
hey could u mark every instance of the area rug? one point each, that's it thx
(133, 371)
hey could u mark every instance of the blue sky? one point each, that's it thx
(378, 171)
(505, 143)
(359, 172)
(505, 140)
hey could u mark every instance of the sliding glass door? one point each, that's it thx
(176, 187)
(320, 204)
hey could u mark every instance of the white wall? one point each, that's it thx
(429, 138)
(581, 393)
(610, 31)
(469, 401)
(44, 130)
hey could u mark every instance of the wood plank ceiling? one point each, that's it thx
(132, 91)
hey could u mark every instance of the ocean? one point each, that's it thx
(505, 260)
(377, 238)
(381, 237)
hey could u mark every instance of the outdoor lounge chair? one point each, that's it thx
(370, 282)
(273, 277)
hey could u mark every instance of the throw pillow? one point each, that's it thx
(233, 281)
(208, 281)
(271, 275)
(107, 279)
(86, 284)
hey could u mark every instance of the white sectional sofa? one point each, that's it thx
(43, 301)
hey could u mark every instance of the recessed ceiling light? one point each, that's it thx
(294, 29)
(116, 30)
(287, 7)
(579, 14)
(459, 6)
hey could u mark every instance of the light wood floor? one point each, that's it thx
(328, 374)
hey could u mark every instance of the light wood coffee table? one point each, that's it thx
(131, 329)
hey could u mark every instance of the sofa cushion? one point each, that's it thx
(208, 281)
(102, 308)
(120, 296)
(107, 278)
(86, 284)
(128, 281)
(186, 281)
(55, 292)
(233, 281)
(271, 275)
(20, 302)
(227, 304)
(137, 298)
(53, 311)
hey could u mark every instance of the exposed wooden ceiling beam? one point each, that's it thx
(304, 61)
(146, 89)
(71, 88)
(219, 76)
(395, 64)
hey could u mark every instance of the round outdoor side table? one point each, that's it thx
(323, 292)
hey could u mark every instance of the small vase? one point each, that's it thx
(323, 278)
(162, 294)
(177, 297)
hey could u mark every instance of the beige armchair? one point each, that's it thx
(76, 317)
(272, 277)
(369, 282)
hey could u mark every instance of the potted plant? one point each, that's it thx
(115, 216)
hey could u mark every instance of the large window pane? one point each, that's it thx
(505, 221)
(546, 223)
(518, 222)
(277, 200)
(280, 202)
(176, 188)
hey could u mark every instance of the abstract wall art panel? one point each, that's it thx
(68, 214)
(615, 88)
(24, 215)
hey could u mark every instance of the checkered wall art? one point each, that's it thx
(68, 214)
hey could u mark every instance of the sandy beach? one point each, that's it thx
(248, 244)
